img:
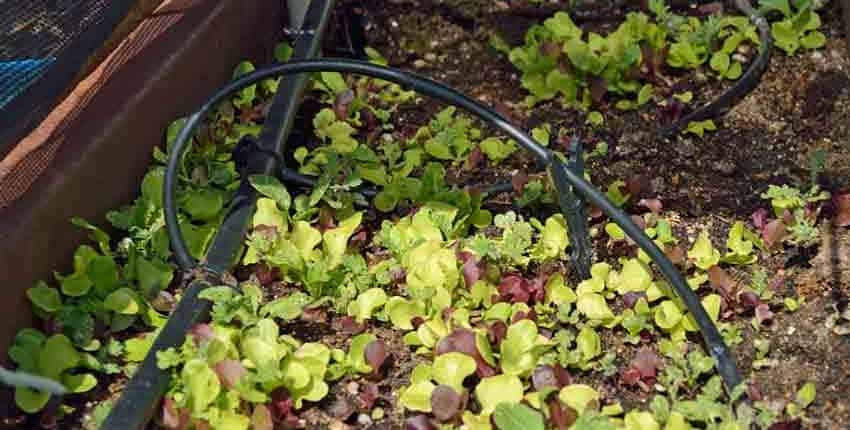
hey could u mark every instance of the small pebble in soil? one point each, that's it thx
(364, 420)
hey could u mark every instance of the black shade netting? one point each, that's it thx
(43, 46)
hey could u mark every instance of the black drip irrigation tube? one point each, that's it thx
(139, 400)
(142, 394)
(564, 178)
(745, 85)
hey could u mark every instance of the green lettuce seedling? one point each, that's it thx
(52, 357)
(797, 28)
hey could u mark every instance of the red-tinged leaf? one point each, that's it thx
(631, 298)
(261, 419)
(376, 355)
(265, 274)
(472, 270)
(517, 289)
(201, 333)
(229, 372)
(544, 376)
(654, 205)
(561, 416)
(773, 233)
(172, 418)
(759, 218)
(417, 321)
(787, 217)
(749, 300)
(722, 282)
(475, 159)
(341, 104)
(511, 288)
(754, 391)
(446, 404)
(653, 61)
(636, 185)
(518, 181)
(842, 209)
(358, 239)
(348, 325)
(369, 119)
(281, 404)
(369, 394)
(563, 376)
(496, 332)
(595, 212)
(398, 275)
(598, 89)
(463, 341)
(522, 315)
(647, 362)
(795, 424)
(630, 376)
(551, 49)
(674, 110)
(763, 313)
(419, 422)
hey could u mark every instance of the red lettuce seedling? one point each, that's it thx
(201, 333)
(446, 403)
(549, 376)
(773, 232)
(759, 218)
(643, 369)
(516, 289)
(347, 325)
(282, 409)
(369, 394)
(722, 282)
(229, 372)
(496, 332)
(472, 270)
(376, 354)
(463, 341)
(561, 416)
(630, 299)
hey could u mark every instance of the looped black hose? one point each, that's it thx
(563, 177)
(746, 84)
